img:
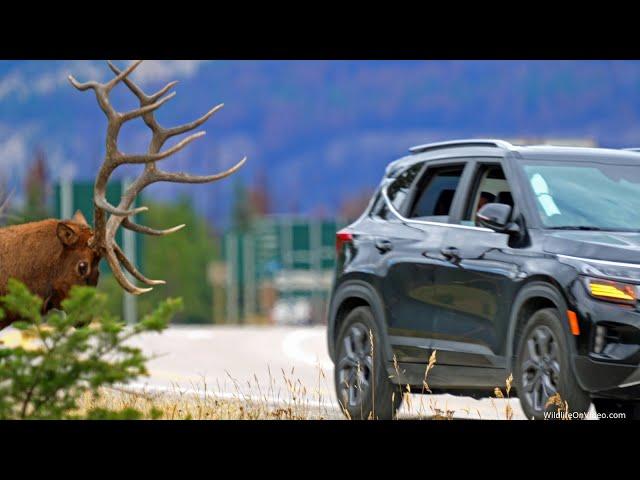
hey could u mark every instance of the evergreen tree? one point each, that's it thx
(36, 189)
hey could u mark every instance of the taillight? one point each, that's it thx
(342, 237)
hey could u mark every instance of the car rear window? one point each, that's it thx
(397, 191)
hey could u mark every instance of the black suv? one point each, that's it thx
(502, 259)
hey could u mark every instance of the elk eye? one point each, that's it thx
(83, 268)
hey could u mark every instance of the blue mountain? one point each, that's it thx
(319, 131)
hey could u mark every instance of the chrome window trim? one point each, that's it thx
(602, 262)
(397, 214)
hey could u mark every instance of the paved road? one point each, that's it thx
(275, 363)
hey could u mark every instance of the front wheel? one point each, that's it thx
(362, 384)
(543, 369)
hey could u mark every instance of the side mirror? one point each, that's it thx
(496, 217)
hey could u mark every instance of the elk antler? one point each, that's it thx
(105, 228)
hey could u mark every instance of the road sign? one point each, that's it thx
(293, 256)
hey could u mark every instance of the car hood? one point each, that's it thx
(611, 246)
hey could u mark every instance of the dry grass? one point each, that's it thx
(248, 400)
(181, 406)
(252, 401)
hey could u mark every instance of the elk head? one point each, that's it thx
(77, 262)
(109, 218)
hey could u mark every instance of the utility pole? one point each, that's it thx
(66, 197)
(130, 303)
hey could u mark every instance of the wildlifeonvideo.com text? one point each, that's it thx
(590, 415)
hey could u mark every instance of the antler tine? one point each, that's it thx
(162, 134)
(103, 204)
(119, 274)
(180, 177)
(101, 96)
(147, 108)
(122, 75)
(170, 132)
(154, 157)
(137, 91)
(162, 91)
(83, 86)
(133, 270)
(132, 86)
(102, 90)
(145, 100)
(129, 225)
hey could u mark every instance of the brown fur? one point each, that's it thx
(35, 254)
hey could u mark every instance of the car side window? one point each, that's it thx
(397, 192)
(490, 187)
(435, 193)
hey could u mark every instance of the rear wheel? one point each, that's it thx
(362, 384)
(617, 409)
(543, 369)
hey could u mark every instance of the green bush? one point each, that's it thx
(75, 353)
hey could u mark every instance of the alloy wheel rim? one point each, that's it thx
(355, 368)
(540, 367)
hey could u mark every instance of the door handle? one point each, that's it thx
(383, 245)
(451, 253)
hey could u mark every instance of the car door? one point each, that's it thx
(406, 270)
(476, 284)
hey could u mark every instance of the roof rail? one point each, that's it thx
(635, 149)
(477, 142)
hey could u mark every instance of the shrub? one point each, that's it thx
(73, 353)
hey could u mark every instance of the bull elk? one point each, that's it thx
(51, 256)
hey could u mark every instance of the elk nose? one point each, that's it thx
(92, 280)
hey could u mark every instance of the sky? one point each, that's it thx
(320, 132)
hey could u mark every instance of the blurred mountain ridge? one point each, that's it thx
(318, 133)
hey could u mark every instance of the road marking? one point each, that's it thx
(293, 349)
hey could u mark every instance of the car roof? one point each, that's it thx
(577, 153)
(499, 148)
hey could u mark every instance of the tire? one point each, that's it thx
(543, 367)
(605, 406)
(362, 385)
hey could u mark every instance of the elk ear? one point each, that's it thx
(78, 217)
(66, 234)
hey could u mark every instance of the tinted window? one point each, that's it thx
(436, 196)
(490, 187)
(397, 191)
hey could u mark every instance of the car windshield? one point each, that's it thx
(586, 195)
